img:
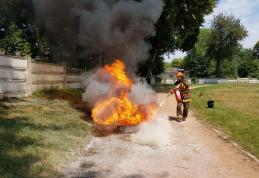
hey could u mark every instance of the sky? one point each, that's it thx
(246, 10)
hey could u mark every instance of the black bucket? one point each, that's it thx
(210, 104)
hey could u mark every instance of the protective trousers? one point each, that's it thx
(182, 112)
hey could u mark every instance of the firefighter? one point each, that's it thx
(182, 95)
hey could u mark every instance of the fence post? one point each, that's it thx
(65, 74)
(29, 74)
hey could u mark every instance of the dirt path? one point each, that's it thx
(194, 151)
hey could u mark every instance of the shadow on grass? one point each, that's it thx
(16, 160)
(72, 96)
(3, 101)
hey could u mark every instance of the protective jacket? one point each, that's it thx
(183, 88)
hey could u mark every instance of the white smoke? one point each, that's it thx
(99, 86)
(142, 93)
(155, 133)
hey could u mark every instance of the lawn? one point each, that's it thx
(40, 134)
(236, 112)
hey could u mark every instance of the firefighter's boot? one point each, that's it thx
(179, 118)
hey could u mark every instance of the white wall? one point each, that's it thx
(44, 75)
(13, 76)
(21, 77)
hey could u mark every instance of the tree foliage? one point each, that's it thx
(248, 69)
(256, 50)
(167, 65)
(179, 24)
(157, 67)
(19, 31)
(178, 27)
(249, 66)
(196, 60)
(14, 41)
(177, 63)
(226, 33)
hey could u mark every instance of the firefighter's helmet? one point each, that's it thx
(179, 74)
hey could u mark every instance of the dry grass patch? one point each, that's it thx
(38, 135)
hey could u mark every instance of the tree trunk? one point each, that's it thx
(218, 68)
(150, 75)
(154, 55)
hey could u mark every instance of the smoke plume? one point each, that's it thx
(113, 29)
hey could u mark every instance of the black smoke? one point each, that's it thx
(113, 29)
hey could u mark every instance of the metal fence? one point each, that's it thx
(214, 81)
(222, 81)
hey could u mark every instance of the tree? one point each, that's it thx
(248, 66)
(226, 32)
(167, 65)
(199, 66)
(177, 63)
(178, 27)
(19, 30)
(157, 67)
(179, 24)
(248, 69)
(13, 41)
(230, 68)
(256, 50)
(196, 60)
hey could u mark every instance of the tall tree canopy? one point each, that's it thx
(226, 32)
(196, 60)
(179, 24)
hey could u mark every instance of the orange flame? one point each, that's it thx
(120, 110)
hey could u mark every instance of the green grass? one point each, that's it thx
(236, 112)
(39, 134)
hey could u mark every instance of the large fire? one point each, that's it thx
(119, 109)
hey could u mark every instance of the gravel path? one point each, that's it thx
(194, 151)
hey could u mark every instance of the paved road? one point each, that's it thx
(195, 151)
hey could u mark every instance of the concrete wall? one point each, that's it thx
(13, 77)
(45, 75)
(73, 81)
(74, 78)
(20, 77)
